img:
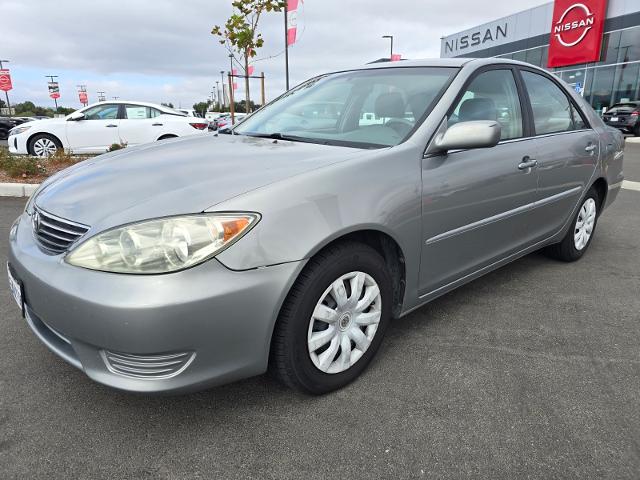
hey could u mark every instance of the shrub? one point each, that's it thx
(116, 146)
(21, 166)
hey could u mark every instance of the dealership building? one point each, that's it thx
(593, 45)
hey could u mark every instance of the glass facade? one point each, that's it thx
(616, 78)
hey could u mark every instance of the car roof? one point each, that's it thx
(136, 102)
(444, 62)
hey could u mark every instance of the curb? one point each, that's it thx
(17, 189)
(632, 140)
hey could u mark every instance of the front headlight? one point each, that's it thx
(19, 130)
(162, 245)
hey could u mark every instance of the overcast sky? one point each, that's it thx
(162, 50)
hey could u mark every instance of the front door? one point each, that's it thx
(475, 202)
(97, 131)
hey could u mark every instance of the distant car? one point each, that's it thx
(211, 116)
(7, 123)
(224, 124)
(95, 128)
(190, 112)
(624, 116)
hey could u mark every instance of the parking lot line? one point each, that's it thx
(628, 185)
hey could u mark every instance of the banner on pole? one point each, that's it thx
(54, 90)
(5, 80)
(292, 21)
(234, 72)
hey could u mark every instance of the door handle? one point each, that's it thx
(156, 124)
(527, 163)
(111, 125)
(590, 148)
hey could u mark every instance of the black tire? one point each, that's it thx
(35, 138)
(290, 361)
(566, 250)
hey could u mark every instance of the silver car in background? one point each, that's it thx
(352, 199)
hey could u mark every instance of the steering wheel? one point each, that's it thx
(400, 125)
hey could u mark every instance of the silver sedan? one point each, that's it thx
(289, 245)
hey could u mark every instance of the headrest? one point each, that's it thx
(390, 105)
(478, 109)
(418, 103)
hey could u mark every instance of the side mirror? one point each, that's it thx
(76, 116)
(467, 135)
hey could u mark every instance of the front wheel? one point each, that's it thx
(578, 238)
(333, 320)
(44, 145)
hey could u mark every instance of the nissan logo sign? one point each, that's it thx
(583, 25)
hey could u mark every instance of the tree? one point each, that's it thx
(201, 107)
(240, 32)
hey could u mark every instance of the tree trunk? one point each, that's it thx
(246, 81)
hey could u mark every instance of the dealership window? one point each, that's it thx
(552, 110)
(492, 95)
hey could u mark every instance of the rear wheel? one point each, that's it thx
(578, 238)
(43, 145)
(333, 320)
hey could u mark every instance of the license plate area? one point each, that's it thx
(17, 291)
(614, 119)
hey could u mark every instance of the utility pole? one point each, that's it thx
(115, 98)
(101, 97)
(390, 37)
(286, 43)
(262, 89)
(6, 93)
(232, 109)
(224, 97)
(218, 94)
(55, 99)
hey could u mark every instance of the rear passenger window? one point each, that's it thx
(552, 110)
(492, 95)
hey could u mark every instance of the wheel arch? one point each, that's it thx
(56, 137)
(386, 245)
(602, 187)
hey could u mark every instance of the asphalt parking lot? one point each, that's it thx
(530, 372)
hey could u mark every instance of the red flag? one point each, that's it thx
(396, 57)
(292, 21)
(234, 72)
(5, 80)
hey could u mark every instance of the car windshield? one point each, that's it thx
(364, 108)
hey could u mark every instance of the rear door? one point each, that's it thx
(567, 151)
(97, 131)
(476, 202)
(141, 124)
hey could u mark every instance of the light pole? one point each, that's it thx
(6, 93)
(55, 99)
(218, 94)
(224, 100)
(390, 37)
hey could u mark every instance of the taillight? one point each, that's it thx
(199, 126)
(635, 114)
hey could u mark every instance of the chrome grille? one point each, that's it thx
(147, 366)
(55, 234)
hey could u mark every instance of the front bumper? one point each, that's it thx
(17, 144)
(224, 318)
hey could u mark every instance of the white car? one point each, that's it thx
(190, 112)
(95, 128)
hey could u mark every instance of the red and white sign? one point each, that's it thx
(84, 98)
(250, 71)
(234, 72)
(576, 32)
(5, 80)
(54, 90)
(292, 21)
(396, 57)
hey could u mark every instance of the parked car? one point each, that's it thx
(624, 116)
(190, 112)
(95, 128)
(7, 123)
(168, 269)
(224, 125)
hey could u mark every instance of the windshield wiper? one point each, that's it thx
(284, 136)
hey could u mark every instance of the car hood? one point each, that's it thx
(186, 175)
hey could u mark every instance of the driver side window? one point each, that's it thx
(102, 112)
(492, 95)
